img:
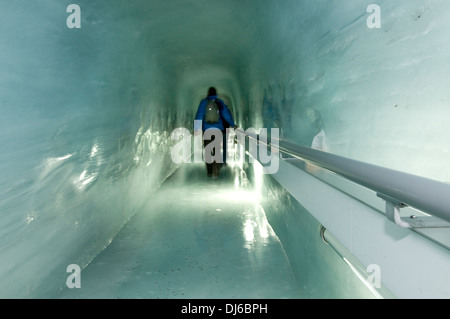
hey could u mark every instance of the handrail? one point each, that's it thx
(427, 195)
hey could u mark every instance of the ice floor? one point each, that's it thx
(195, 238)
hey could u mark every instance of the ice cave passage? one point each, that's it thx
(91, 91)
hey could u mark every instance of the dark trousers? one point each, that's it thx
(213, 167)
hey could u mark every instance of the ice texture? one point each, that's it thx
(86, 113)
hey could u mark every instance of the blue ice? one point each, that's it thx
(86, 176)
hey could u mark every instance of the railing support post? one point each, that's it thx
(393, 214)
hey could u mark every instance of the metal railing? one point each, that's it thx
(399, 189)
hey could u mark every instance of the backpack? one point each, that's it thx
(212, 112)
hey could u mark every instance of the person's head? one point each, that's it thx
(212, 91)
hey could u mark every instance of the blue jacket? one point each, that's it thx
(225, 115)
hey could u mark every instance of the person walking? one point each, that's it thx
(213, 114)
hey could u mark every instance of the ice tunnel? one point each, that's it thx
(91, 91)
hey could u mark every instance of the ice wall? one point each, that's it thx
(380, 94)
(86, 113)
(83, 134)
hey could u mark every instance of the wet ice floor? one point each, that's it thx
(196, 238)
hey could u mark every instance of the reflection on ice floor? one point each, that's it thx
(195, 238)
